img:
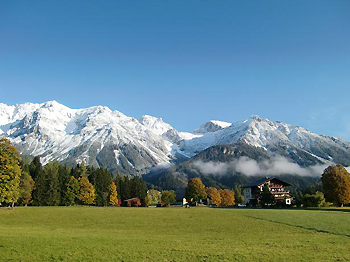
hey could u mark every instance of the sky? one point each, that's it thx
(184, 61)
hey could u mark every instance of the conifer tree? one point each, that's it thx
(10, 172)
(266, 197)
(40, 188)
(52, 184)
(64, 173)
(113, 196)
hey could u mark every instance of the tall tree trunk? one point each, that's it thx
(13, 204)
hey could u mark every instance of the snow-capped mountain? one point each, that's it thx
(101, 137)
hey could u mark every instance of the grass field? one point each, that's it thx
(172, 234)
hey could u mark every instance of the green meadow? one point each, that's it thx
(173, 234)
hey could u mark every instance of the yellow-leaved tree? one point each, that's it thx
(87, 193)
(336, 184)
(214, 196)
(10, 172)
(227, 197)
(113, 196)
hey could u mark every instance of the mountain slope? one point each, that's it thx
(101, 137)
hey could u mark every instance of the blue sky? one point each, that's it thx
(184, 61)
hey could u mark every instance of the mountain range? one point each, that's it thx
(101, 137)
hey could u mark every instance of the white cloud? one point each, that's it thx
(250, 167)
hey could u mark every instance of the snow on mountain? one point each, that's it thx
(275, 137)
(212, 126)
(101, 137)
(156, 125)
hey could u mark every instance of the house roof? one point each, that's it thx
(264, 180)
(131, 199)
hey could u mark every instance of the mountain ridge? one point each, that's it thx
(99, 136)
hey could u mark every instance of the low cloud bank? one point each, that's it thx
(275, 166)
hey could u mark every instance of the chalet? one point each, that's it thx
(135, 201)
(252, 191)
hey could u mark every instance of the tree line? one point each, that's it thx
(30, 183)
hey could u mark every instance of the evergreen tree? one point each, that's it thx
(72, 191)
(266, 197)
(86, 192)
(101, 179)
(40, 188)
(52, 184)
(138, 188)
(64, 173)
(10, 172)
(336, 184)
(80, 170)
(125, 188)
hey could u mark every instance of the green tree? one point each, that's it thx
(336, 184)
(101, 179)
(64, 173)
(138, 188)
(40, 189)
(52, 185)
(86, 192)
(10, 172)
(72, 191)
(266, 197)
(239, 198)
(26, 188)
(315, 200)
(168, 198)
(214, 196)
(113, 195)
(80, 170)
(195, 190)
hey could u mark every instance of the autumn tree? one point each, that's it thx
(168, 198)
(336, 184)
(113, 196)
(26, 187)
(155, 196)
(195, 190)
(214, 196)
(148, 200)
(86, 192)
(72, 191)
(10, 172)
(227, 197)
